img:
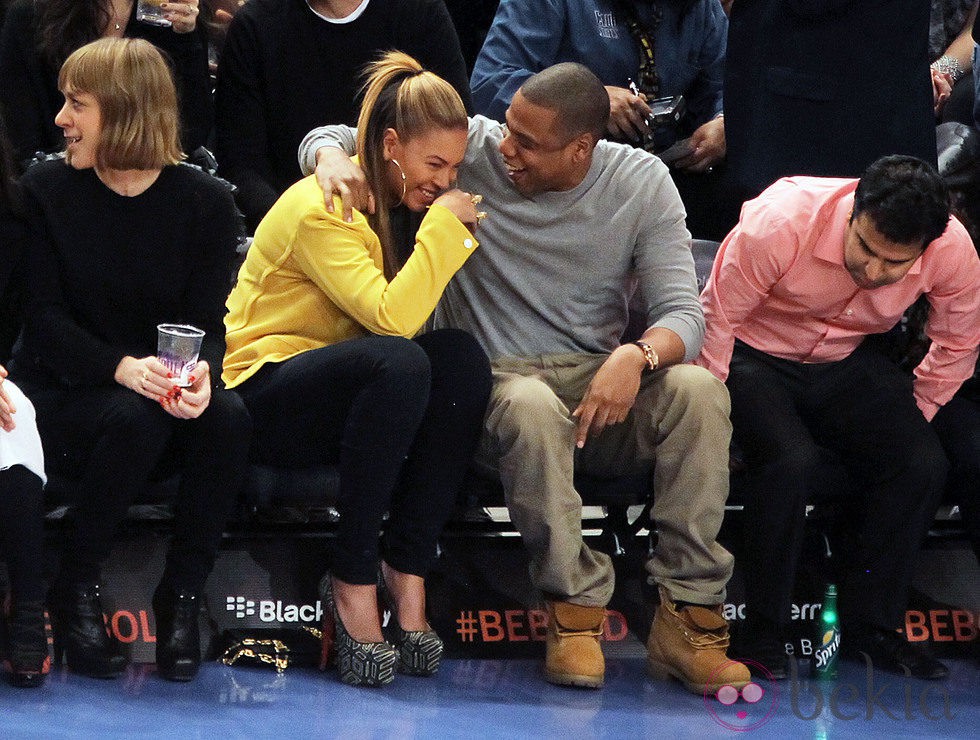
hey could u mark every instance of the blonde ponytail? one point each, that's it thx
(399, 94)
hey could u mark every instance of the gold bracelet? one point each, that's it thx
(649, 354)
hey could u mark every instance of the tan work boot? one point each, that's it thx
(573, 656)
(689, 644)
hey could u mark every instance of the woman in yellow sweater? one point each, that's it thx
(319, 345)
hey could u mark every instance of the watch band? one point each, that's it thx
(650, 354)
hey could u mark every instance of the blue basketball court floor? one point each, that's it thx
(486, 699)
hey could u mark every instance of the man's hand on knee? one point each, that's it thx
(611, 394)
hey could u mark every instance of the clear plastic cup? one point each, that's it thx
(178, 346)
(149, 11)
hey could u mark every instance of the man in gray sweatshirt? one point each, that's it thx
(574, 224)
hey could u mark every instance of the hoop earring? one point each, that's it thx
(404, 186)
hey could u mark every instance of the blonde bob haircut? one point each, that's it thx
(137, 101)
(399, 94)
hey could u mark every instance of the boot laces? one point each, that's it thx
(698, 638)
(706, 640)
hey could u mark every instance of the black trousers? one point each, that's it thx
(958, 427)
(121, 439)
(22, 531)
(401, 417)
(862, 408)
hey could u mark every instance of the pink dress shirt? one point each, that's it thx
(780, 285)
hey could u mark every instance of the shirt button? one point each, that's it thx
(849, 312)
(468, 243)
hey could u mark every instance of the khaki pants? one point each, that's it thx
(679, 424)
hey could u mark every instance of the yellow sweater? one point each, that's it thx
(311, 280)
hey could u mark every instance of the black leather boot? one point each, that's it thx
(80, 634)
(178, 635)
(26, 644)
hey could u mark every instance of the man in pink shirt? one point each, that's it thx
(813, 267)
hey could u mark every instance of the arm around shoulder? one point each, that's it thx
(336, 136)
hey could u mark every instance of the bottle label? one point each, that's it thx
(828, 648)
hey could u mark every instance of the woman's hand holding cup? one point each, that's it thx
(190, 402)
(182, 15)
(146, 375)
(150, 378)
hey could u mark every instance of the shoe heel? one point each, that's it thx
(328, 638)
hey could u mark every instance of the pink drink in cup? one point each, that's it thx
(178, 346)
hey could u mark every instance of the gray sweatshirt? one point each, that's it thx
(555, 272)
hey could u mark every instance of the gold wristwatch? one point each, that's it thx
(649, 354)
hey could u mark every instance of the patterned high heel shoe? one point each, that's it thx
(26, 645)
(358, 663)
(419, 651)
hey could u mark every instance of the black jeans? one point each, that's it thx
(863, 409)
(122, 438)
(401, 417)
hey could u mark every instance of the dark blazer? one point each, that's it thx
(825, 87)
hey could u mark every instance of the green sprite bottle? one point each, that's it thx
(826, 651)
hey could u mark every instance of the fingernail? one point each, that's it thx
(580, 444)
(192, 378)
(170, 375)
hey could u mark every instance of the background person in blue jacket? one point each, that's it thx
(687, 40)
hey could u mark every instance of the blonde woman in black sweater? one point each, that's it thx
(122, 237)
